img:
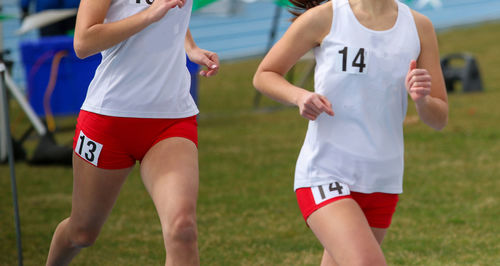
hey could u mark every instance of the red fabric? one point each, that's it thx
(377, 207)
(127, 139)
(307, 204)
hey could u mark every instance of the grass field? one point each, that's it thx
(247, 214)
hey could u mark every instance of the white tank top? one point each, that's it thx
(361, 72)
(145, 75)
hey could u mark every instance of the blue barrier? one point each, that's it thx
(74, 74)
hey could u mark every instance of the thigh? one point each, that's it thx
(106, 141)
(94, 193)
(343, 230)
(379, 234)
(169, 171)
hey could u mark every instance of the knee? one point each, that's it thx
(83, 237)
(355, 258)
(182, 230)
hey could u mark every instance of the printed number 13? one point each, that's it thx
(92, 148)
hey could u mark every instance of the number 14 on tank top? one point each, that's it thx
(330, 191)
(350, 59)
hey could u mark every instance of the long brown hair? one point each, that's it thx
(301, 6)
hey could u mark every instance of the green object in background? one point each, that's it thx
(284, 3)
(6, 16)
(201, 3)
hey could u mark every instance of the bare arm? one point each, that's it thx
(425, 82)
(306, 32)
(201, 56)
(93, 36)
(189, 43)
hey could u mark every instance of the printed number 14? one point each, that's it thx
(359, 60)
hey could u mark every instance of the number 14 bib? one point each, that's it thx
(352, 60)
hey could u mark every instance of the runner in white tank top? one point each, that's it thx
(361, 72)
(367, 53)
(142, 78)
(152, 80)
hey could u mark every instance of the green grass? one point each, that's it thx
(247, 213)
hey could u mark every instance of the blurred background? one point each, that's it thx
(247, 213)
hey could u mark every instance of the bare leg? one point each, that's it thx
(327, 260)
(94, 194)
(379, 234)
(170, 174)
(342, 229)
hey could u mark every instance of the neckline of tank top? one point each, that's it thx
(394, 26)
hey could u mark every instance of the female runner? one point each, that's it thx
(370, 54)
(138, 108)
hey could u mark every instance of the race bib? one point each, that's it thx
(88, 149)
(141, 2)
(352, 60)
(329, 191)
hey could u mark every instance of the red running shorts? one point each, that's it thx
(377, 207)
(110, 142)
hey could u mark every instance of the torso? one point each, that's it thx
(361, 71)
(145, 75)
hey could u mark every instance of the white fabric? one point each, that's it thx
(145, 75)
(362, 145)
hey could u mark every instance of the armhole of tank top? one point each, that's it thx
(414, 23)
(334, 7)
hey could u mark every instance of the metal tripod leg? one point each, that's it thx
(16, 91)
(10, 151)
(18, 95)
